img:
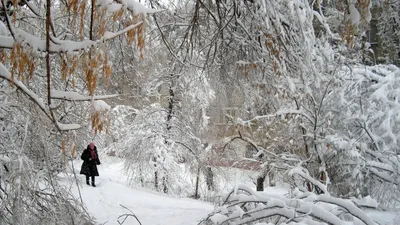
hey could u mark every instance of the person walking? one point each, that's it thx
(90, 161)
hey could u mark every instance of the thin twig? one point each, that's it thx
(8, 20)
(76, 181)
(127, 215)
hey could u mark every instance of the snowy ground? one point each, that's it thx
(153, 208)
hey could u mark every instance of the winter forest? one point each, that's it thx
(299, 96)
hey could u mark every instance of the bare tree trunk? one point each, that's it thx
(141, 176)
(210, 179)
(48, 16)
(271, 178)
(155, 174)
(170, 103)
(156, 180)
(260, 183)
(165, 181)
(91, 20)
(196, 193)
(169, 126)
(303, 130)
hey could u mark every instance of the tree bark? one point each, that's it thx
(169, 126)
(91, 20)
(196, 193)
(165, 187)
(155, 174)
(170, 103)
(260, 183)
(48, 17)
(210, 179)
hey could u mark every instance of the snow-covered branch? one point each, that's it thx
(307, 177)
(57, 45)
(5, 74)
(346, 204)
(110, 35)
(242, 206)
(277, 114)
(137, 8)
(74, 96)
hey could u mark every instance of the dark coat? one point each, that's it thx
(89, 166)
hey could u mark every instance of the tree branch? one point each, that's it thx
(56, 45)
(74, 96)
(5, 74)
(7, 19)
(127, 215)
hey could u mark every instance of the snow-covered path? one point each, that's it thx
(152, 208)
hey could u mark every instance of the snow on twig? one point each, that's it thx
(57, 45)
(5, 74)
(298, 171)
(279, 113)
(74, 96)
(348, 205)
(246, 206)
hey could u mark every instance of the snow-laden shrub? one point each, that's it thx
(30, 192)
(361, 148)
(30, 159)
(151, 155)
(34, 197)
(245, 206)
(350, 128)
